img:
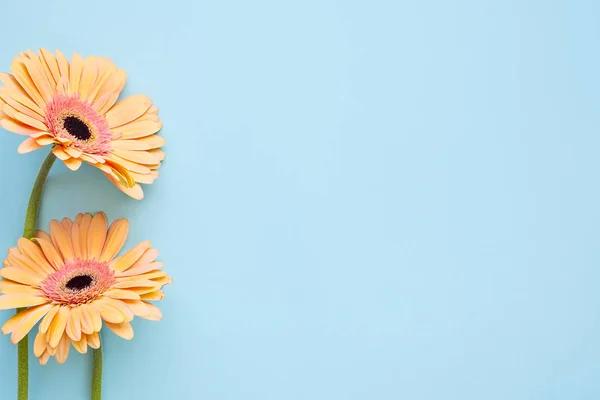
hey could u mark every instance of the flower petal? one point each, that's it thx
(134, 192)
(122, 294)
(8, 301)
(21, 74)
(128, 110)
(51, 65)
(156, 295)
(34, 252)
(123, 329)
(88, 76)
(97, 235)
(62, 240)
(84, 228)
(108, 312)
(146, 143)
(117, 235)
(40, 344)
(73, 328)
(94, 340)
(62, 352)
(128, 259)
(28, 145)
(15, 126)
(57, 327)
(76, 68)
(45, 324)
(142, 269)
(136, 129)
(81, 345)
(21, 275)
(87, 322)
(15, 320)
(34, 314)
(52, 255)
(73, 163)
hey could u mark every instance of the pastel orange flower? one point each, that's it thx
(73, 282)
(73, 107)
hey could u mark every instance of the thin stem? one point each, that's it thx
(36, 197)
(28, 232)
(97, 374)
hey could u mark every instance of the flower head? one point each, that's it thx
(73, 107)
(73, 282)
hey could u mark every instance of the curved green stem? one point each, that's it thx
(36, 197)
(28, 232)
(97, 374)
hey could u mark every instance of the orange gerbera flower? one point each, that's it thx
(73, 282)
(72, 107)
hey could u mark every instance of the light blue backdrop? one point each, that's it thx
(361, 199)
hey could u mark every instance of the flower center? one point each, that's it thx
(77, 128)
(79, 282)
(76, 121)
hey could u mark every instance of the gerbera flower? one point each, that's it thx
(72, 107)
(74, 283)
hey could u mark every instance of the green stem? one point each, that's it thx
(97, 374)
(36, 197)
(28, 232)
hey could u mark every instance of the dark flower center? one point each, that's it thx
(79, 282)
(77, 128)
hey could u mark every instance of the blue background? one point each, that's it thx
(361, 199)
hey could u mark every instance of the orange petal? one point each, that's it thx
(10, 287)
(21, 74)
(122, 294)
(28, 145)
(35, 253)
(128, 110)
(73, 328)
(63, 64)
(84, 227)
(87, 321)
(119, 305)
(60, 153)
(117, 235)
(94, 340)
(34, 68)
(113, 86)
(128, 259)
(138, 129)
(76, 68)
(28, 322)
(62, 240)
(108, 312)
(123, 329)
(106, 69)
(88, 76)
(156, 295)
(57, 326)
(40, 345)
(73, 163)
(51, 65)
(45, 324)
(21, 275)
(81, 345)
(62, 352)
(17, 127)
(52, 255)
(15, 320)
(8, 301)
(97, 235)
(135, 192)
